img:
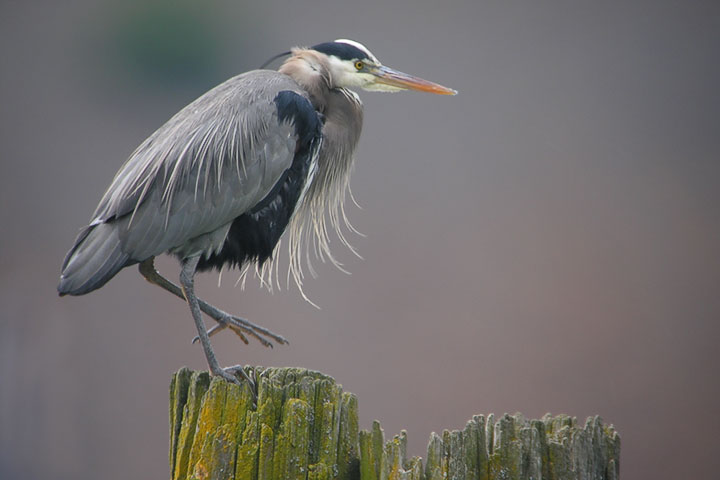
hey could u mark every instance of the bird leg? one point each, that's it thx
(224, 320)
(187, 282)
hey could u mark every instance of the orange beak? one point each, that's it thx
(403, 81)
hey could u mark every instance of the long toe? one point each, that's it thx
(229, 376)
(241, 327)
(239, 369)
(250, 382)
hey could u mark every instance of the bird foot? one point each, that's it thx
(230, 374)
(241, 328)
(227, 375)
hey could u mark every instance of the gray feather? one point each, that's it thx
(183, 186)
(95, 259)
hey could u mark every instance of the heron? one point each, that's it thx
(218, 184)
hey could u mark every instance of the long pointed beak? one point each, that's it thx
(393, 78)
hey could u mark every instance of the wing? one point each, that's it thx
(213, 161)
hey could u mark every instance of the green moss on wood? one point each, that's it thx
(179, 387)
(348, 449)
(216, 458)
(292, 444)
(267, 453)
(199, 383)
(303, 426)
(248, 450)
(319, 471)
(371, 452)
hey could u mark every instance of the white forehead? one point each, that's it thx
(360, 47)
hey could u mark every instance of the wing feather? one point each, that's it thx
(207, 165)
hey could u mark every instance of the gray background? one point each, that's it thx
(546, 241)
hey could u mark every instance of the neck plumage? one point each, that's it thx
(311, 71)
(321, 210)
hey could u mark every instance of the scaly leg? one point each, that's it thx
(223, 319)
(187, 281)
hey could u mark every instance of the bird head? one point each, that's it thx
(349, 64)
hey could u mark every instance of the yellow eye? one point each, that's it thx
(359, 65)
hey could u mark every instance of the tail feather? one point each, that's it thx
(94, 259)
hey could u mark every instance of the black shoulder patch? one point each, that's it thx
(254, 234)
(343, 51)
(298, 109)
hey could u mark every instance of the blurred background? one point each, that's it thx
(545, 241)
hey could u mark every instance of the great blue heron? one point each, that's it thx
(221, 181)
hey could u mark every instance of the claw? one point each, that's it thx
(242, 337)
(229, 375)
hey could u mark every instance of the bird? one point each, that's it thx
(218, 184)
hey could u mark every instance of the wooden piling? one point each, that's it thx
(304, 427)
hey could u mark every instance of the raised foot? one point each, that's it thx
(241, 327)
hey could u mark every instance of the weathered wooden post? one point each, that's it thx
(304, 426)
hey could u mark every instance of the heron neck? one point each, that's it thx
(310, 71)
